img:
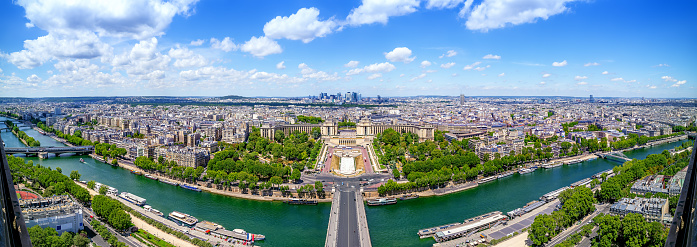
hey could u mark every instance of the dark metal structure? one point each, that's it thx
(13, 231)
(683, 230)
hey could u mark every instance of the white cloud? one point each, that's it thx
(33, 78)
(471, 66)
(303, 25)
(374, 76)
(431, 71)
(630, 81)
(651, 87)
(502, 74)
(662, 65)
(466, 9)
(491, 56)
(482, 68)
(418, 77)
(442, 4)
(82, 73)
(197, 42)
(591, 64)
(144, 58)
(617, 79)
(225, 45)
(400, 54)
(425, 64)
(582, 83)
(373, 68)
(492, 14)
(280, 65)
(447, 65)
(580, 78)
(546, 75)
(677, 84)
(131, 19)
(668, 78)
(351, 64)
(605, 73)
(29, 25)
(454, 75)
(559, 64)
(450, 53)
(372, 11)
(261, 47)
(187, 58)
(79, 45)
(309, 73)
(542, 83)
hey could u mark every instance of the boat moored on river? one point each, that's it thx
(182, 219)
(169, 182)
(137, 200)
(151, 177)
(297, 201)
(487, 179)
(189, 187)
(409, 197)
(503, 175)
(381, 201)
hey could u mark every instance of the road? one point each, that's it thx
(348, 220)
(128, 240)
(602, 208)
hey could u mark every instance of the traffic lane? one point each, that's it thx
(348, 221)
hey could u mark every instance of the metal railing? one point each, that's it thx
(13, 231)
(683, 231)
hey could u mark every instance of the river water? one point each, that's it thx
(298, 225)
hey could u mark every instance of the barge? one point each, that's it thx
(169, 182)
(428, 232)
(409, 197)
(487, 179)
(182, 219)
(152, 210)
(296, 201)
(525, 171)
(471, 226)
(136, 172)
(189, 187)
(151, 177)
(219, 231)
(381, 201)
(137, 200)
(507, 174)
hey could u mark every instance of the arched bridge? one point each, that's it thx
(43, 151)
(616, 156)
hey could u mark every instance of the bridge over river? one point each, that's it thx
(44, 151)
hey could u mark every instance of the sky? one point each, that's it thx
(607, 48)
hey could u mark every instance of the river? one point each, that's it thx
(298, 225)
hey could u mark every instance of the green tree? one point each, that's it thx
(75, 175)
(634, 230)
(316, 133)
(542, 229)
(90, 184)
(103, 189)
(295, 175)
(279, 136)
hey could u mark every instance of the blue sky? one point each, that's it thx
(389, 48)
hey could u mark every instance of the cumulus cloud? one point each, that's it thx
(225, 45)
(197, 42)
(482, 68)
(471, 66)
(351, 64)
(559, 64)
(491, 56)
(669, 78)
(130, 19)
(373, 68)
(81, 72)
(502, 74)
(309, 73)
(400, 54)
(450, 53)
(651, 86)
(303, 25)
(280, 65)
(378, 11)
(582, 83)
(580, 78)
(542, 83)
(28, 25)
(425, 64)
(591, 64)
(605, 73)
(144, 58)
(493, 14)
(79, 45)
(374, 76)
(186, 58)
(33, 78)
(546, 75)
(261, 47)
(677, 84)
(617, 79)
(442, 4)
(630, 81)
(418, 77)
(447, 65)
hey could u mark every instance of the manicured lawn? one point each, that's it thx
(152, 239)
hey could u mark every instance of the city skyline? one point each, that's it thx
(401, 48)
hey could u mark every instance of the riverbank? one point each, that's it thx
(234, 192)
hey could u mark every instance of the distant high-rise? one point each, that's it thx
(462, 99)
(57, 111)
(591, 99)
